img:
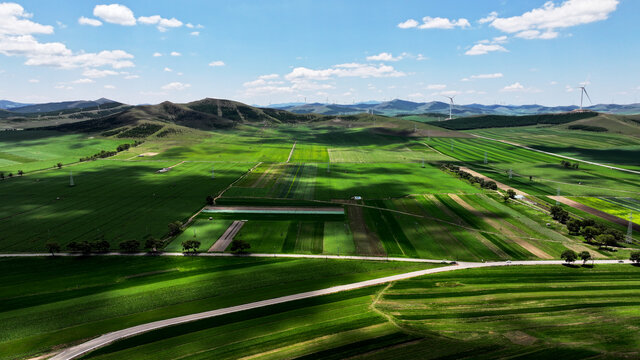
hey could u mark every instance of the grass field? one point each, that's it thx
(118, 199)
(203, 230)
(34, 150)
(51, 301)
(620, 207)
(586, 311)
(514, 312)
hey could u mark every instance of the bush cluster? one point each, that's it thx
(491, 185)
(593, 232)
(105, 154)
(568, 165)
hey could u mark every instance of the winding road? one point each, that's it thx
(106, 339)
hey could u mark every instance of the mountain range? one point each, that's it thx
(402, 107)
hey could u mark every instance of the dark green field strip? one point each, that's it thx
(310, 237)
(252, 331)
(519, 311)
(16, 158)
(130, 291)
(362, 347)
(289, 244)
(511, 249)
(457, 292)
(389, 231)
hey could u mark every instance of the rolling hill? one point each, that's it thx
(8, 105)
(65, 105)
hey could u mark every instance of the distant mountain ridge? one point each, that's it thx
(9, 105)
(64, 105)
(400, 107)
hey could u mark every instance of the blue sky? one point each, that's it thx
(261, 52)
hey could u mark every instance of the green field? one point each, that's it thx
(85, 297)
(620, 207)
(35, 150)
(512, 312)
(119, 200)
(203, 230)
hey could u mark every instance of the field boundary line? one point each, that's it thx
(109, 338)
(234, 182)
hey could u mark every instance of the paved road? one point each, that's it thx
(106, 339)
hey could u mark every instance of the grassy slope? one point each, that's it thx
(85, 297)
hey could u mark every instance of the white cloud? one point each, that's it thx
(156, 54)
(95, 73)
(34, 81)
(344, 70)
(217, 63)
(115, 14)
(129, 77)
(421, 57)
(87, 21)
(408, 24)
(175, 53)
(189, 25)
(487, 76)
(384, 56)
(194, 33)
(569, 88)
(482, 49)
(162, 23)
(83, 81)
(443, 23)
(489, 18)
(269, 76)
(436, 86)
(176, 86)
(513, 87)
(61, 25)
(14, 21)
(168, 69)
(553, 83)
(109, 87)
(540, 23)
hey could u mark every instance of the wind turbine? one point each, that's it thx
(583, 92)
(450, 104)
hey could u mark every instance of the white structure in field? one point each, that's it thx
(71, 179)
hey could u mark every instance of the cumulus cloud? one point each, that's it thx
(175, 53)
(482, 49)
(162, 23)
(16, 39)
(156, 54)
(115, 14)
(87, 21)
(95, 73)
(411, 23)
(489, 18)
(14, 21)
(487, 76)
(344, 70)
(513, 87)
(217, 63)
(435, 23)
(540, 23)
(168, 69)
(384, 56)
(176, 86)
(83, 81)
(194, 33)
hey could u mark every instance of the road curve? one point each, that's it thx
(106, 339)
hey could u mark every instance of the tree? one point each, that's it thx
(559, 214)
(83, 247)
(585, 256)
(573, 226)
(240, 246)
(605, 240)
(190, 245)
(10, 175)
(635, 257)
(511, 193)
(569, 256)
(20, 172)
(506, 197)
(152, 244)
(589, 233)
(100, 246)
(59, 165)
(209, 200)
(129, 245)
(53, 247)
(175, 228)
(1, 176)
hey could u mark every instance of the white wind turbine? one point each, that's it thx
(450, 104)
(583, 92)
